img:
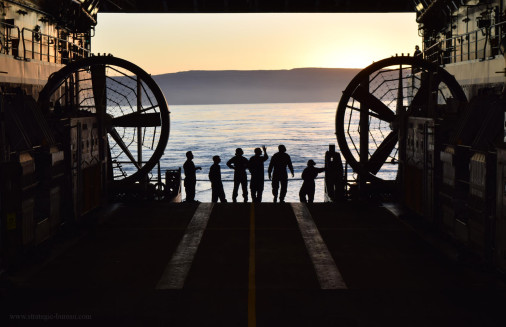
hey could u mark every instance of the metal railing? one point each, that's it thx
(479, 44)
(9, 39)
(38, 46)
(49, 48)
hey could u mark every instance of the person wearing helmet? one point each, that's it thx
(216, 184)
(277, 173)
(308, 186)
(256, 169)
(239, 164)
(190, 178)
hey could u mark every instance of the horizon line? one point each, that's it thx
(253, 70)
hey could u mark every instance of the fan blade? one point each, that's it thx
(364, 97)
(114, 134)
(381, 154)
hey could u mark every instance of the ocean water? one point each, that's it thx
(306, 129)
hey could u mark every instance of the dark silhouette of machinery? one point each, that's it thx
(374, 109)
(131, 113)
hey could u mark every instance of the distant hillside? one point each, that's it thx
(255, 86)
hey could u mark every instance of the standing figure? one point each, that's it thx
(279, 162)
(308, 175)
(256, 168)
(334, 184)
(216, 184)
(416, 69)
(190, 178)
(239, 164)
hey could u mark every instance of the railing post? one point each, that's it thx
(40, 47)
(33, 47)
(476, 54)
(469, 47)
(454, 44)
(55, 49)
(48, 49)
(461, 49)
(23, 42)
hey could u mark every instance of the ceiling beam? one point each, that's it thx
(253, 6)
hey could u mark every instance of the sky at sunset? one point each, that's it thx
(168, 43)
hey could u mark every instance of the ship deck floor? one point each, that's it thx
(195, 264)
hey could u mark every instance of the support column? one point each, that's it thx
(364, 143)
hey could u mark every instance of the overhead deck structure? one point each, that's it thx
(252, 6)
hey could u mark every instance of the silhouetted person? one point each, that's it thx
(334, 184)
(190, 178)
(308, 175)
(414, 70)
(239, 164)
(256, 168)
(216, 184)
(279, 162)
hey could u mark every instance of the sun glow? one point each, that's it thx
(164, 43)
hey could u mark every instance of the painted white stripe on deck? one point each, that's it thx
(327, 273)
(179, 265)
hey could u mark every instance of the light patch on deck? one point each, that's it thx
(252, 316)
(327, 273)
(179, 265)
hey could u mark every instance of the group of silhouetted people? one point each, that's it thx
(277, 172)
